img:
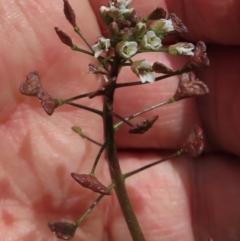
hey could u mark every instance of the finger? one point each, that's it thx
(219, 109)
(215, 197)
(209, 20)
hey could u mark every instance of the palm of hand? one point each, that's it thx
(179, 200)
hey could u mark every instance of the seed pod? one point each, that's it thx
(199, 60)
(190, 86)
(32, 85)
(194, 144)
(179, 27)
(144, 126)
(91, 182)
(64, 37)
(69, 13)
(63, 230)
(48, 102)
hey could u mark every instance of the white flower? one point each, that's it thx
(116, 9)
(182, 48)
(127, 49)
(102, 45)
(103, 9)
(140, 26)
(125, 10)
(151, 41)
(123, 3)
(162, 25)
(143, 70)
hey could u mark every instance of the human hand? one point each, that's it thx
(180, 200)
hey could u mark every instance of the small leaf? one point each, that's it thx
(91, 182)
(32, 85)
(63, 230)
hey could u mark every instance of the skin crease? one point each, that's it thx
(183, 199)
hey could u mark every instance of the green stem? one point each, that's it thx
(76, 97)
(171, 100)
(120, 85)
(121, 118)
(98, 156)
(161, 50)
(79, 131)
(78, 31)
(126, 175)
(86, 108)
(93, 141)
(92, 206)
(75, 48)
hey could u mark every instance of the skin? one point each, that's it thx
(183, 199)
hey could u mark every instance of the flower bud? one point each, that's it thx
(182, 48)
(156, 14)
(194, 144)
(32, 85)
(143, 70)
(91, 182)
(113, 28)
(63, 230)
(144, 126)
(134, 18)
(161, 68)
(162, 26)
(107, 19)
(139, 30)
(126, 34)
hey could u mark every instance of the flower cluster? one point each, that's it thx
(131, 34)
